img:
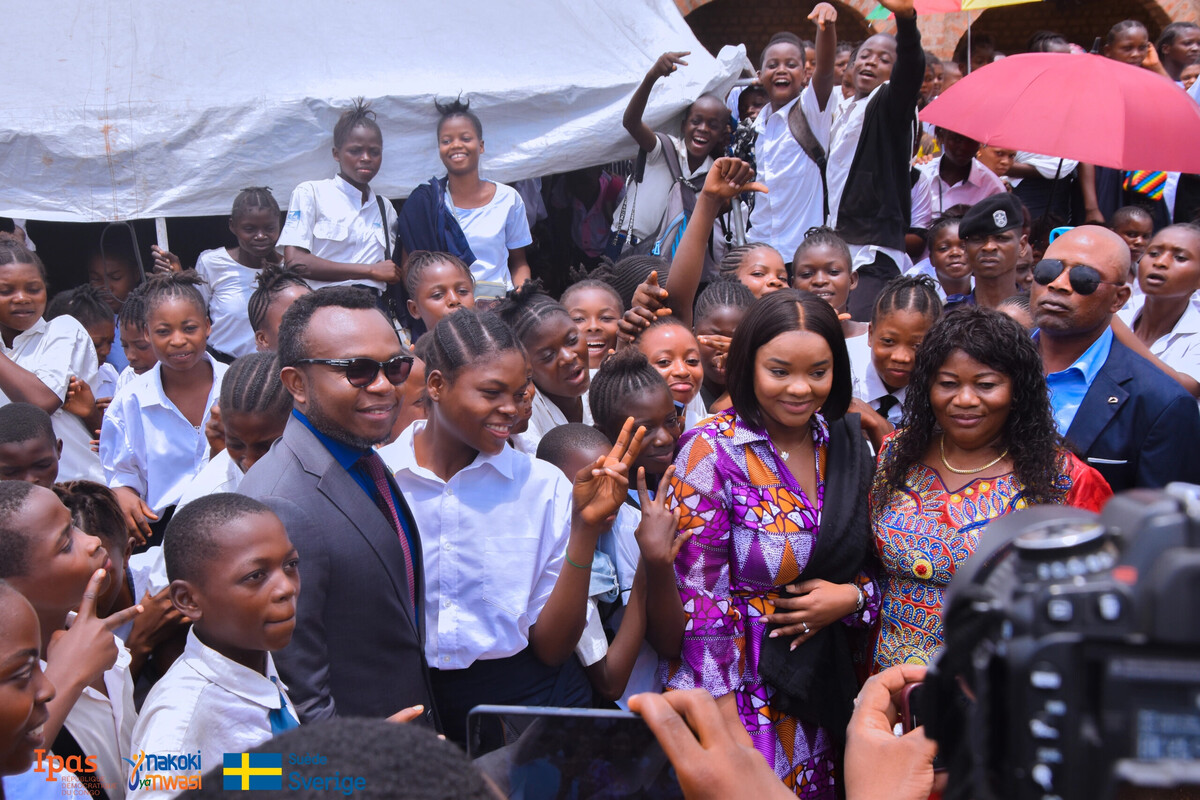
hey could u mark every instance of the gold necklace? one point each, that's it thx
(946, 464)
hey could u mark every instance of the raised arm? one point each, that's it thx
(825, 17)
(639, 130)
(909, 72)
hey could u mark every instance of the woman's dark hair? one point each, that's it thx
(775, 314)
(931, 60)
(731, 262)
(629, 271)
(359, 115)
(822, 236)
(421, 260)
(525, 308)
(184, 285)
(1122, 27)
(721, 294)
(593, 283)
(271, 281)
(1171, 33)
(255, 197)
(941, 223)
(620, 377)
(457, 108)
(783, 37)
(1030, 436)
(94, 509)
(978, 41)
(252, 386)
(13, 253)
(83, 303)
(908, 293)
(464, 337)
(1046, 41)
(132, 316)
(669, 321)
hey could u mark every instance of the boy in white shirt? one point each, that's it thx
(234, 573)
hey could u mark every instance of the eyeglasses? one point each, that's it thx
(361, 372)
(1084, 279)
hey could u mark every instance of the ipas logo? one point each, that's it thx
(164, 772)
(51, 764)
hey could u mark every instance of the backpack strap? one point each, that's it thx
(387, 234)
(803, 133)
(687, 188)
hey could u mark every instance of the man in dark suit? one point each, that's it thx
(1130, 421)
(357, 649)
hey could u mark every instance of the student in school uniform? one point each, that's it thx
(235, 574)
(337, 230)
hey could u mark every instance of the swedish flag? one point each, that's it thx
(253, 771)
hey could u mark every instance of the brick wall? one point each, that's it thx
(719, 22)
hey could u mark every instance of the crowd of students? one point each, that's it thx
(749, 464)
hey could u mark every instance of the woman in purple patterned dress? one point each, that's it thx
(773, 493)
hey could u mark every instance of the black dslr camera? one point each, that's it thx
(1072, 660)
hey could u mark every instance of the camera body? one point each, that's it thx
(1072, 660)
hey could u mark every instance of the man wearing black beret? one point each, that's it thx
(992, 236)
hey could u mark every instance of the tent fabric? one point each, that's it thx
(136, 109)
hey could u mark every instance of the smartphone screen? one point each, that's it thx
(580, 753)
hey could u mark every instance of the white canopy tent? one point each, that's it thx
(140, 108)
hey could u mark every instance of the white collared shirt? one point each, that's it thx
(1179, 349)
(793, 205)
(980, 184)
(106, 381)
(492, 231)
(493, 541)
(55, 351)
(147, 444)
(102, 725)
(843, 144)
(227, 289)
(330, 220)
(1047, 166)
(220, 474)
(868, 386)
(648, 201)
(695, 412)
(545, 418)
(210, 703)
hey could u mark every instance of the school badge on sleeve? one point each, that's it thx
(251, 771)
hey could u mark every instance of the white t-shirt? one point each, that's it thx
(228, 289)
(492, 230)
(55, 351)
(330, 220)
(648, 200)
(148, 445)
(782, 217)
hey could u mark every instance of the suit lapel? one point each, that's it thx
(1103, 400)
(344, 493)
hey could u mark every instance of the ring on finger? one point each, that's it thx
(805, 624)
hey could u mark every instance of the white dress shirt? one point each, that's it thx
(220, 474)
(330, 220)
(492, 230)
(228, 289)
(868, 386)
(210, 703)
(127, 375)
(545, 418)
(1047, 166)
(1179, 349)
(106, 381)
(782, 217)
(843, 144)
(147, 444)
(102, 725)
(493, 541)
(695, 413)
(55, 351)
(648, 199)
(980, 184)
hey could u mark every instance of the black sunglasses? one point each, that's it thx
(1084, 279)
(361, 372)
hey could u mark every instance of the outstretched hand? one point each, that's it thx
(602, 486)
(656, 534)
(667, 63)
(649, 303)
(901, 8)
(729, 177)
(823, 14)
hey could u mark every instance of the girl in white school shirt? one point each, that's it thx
(507, 541)
(39, 358)
(152, 442)
(337, 231)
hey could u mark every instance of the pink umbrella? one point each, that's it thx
(1082, 107)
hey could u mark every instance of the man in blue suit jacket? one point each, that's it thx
(1130, 421)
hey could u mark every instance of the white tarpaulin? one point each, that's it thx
(121, 109)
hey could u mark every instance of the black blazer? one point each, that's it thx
(358, 649)
(1137, 426)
